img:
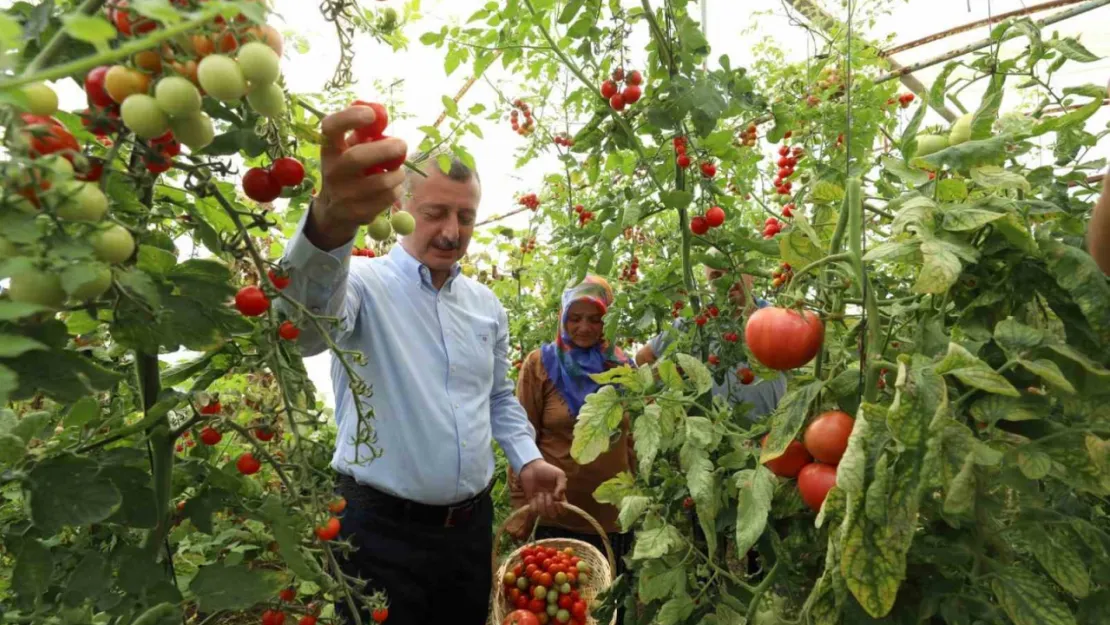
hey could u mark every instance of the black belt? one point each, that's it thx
(454, 515)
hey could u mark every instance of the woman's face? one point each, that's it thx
(584, 324)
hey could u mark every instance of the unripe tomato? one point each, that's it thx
(402, 222)
(826, 438)
(790, 463)
(143, 116)
(814, 482)
(251, 301)
(122, 82)
(260, 186)
(113, 244)
(339, 505)
(221, 77)
(148, 60)
(782, 338)
(41, 99)
(84, 201)
(177, 96)
(195, 131)
(380, 228)
(259, 63)
(248, 464)
(37, 287)
(288, 172)
(267, 100)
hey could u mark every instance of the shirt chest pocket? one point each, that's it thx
(478, 341)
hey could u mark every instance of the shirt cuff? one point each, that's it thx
(318, 264)
(521, 453)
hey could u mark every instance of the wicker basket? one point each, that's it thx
(601, 566)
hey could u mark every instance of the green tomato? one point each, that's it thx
(177, 97)
(114, 244)
(143, 116)
(562, 616)
(380, 228)
(561, 578)
(930, 144)
(58, 168)
(37, 287)
(539, 592)
(222, 78)
(522, 583)
(259, 63)
(41, 99)
(194, 131)
(267, 100)
(583, 567)
(961, 130)
(403, 222)
(552, 596)
(83, 201)
(7, 249)
(96, 286)
(565, 588)
(552, 607)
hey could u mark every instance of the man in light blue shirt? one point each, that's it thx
(436, 346)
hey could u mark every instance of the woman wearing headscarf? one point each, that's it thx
(553, 384)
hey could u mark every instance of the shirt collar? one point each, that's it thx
(412, 268)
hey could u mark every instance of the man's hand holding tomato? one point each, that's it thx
(349, 198)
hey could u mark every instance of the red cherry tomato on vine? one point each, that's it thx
(373, 130)
(288, 172)
(210, 435)
(94, 87)
(280, 281)
(745, 375)
(251, 301)
(380, 615)
(814, 482)
(329, 530)
(826, 438)
(307, 619)
(264, 434)
(288, 330)
(248, 464)
(47, 135)
(212, 408)
(715, 216)
(287, 594)
(260, 186)
(608, 89)
(337, 506)
(699, 225)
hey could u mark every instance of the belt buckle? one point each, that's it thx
(463, 512)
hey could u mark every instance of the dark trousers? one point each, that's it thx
(431, 573)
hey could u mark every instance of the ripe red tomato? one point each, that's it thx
(521, 603)
(715, 216)
(634, 78)
(682, 161)
(129, 23)
(251, 301)
(212, 408)
(617, 102)
(814, 482)
(380, 614)
(287, 594)
(329, 530)
(337, 506)
(631, 94)
(288, 172)
(708, 170)
(94, 87)
(826, 438)
(782, 338)
(273, 617)
(307, 619)
(280, 281)
(608, 89)
(264, 434)
(210, 435)
(791, 462)
(260, 186)
(288, 330)
(545, 580)
(47, 135)
(579, 609)
(375, 129)
(745, 375)
(248, 464)
(521, 617)
(699, 225)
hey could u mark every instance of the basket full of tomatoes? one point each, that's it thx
(550, 581)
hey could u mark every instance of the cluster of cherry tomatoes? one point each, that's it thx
(544, 587)
(782, 275)
(814, 460)
(748, 136)
(771, 227)
(677, 307)
(631, 272)
(363, 251)
(731, 337)
(526, 128)
(584, 216)
(618, 98)
(528, 245)
(564, 141)
(904, 100)
(711, 312)
(265, 184)
(788, 159)
(530, 201)
(713, 218)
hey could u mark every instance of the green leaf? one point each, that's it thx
(1028, 600)
(798, 249)
(1072, 119)
(288, 539)
(676, 199)
(753, 504)
(826, 191)
(951, 190)
(987, 113)
(994, 408)
(160, 10)
(894, 251)
(632, 508)
(1049, 372)
(878, 491)
(33, 567)
(1071, 49)
(155, 260)
(83, 411)
(974, 372)
(960, 218)
(677, 610)
(93, 29)
(1017, 234)
(968, 154)
(696, 371)
(994, 177)
(940, 270)
(657, 542)
(658, 581)
(940, 85)
(68, 490)
(1069, 352)
(13, 345)
(788, 418)
(699, 432)
(89, 580)
(1014, 336)
(960, 500)
(135, 509)
(218, 587)
(1034, 464)
(615, 489)
(1076, 272)
(1062, 562)
(12, 311)
(647, 434)
(904, 172)
(592, 430)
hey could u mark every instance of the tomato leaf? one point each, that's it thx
(753, 503)
(940, 270)
(656, 542)
(1076, 272)
(974, 372)
(696, 371)
(12, 345)
(632, 508)
(1060, 560)
(615, 489)
(961, 218)
(960, 499)
(33, 567)
(1070, 48)
(1049, 372)
(659, 581)
(647, 434)
(676, 610)
(968, 154)
(788, 418)
(218, 587)
(592, 430)
(69, 490)
(1014, 336)
(1028, 600)
(994, 177)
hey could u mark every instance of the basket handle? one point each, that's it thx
(569, 506)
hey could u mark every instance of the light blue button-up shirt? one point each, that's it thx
(438, 364)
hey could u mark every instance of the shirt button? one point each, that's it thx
(464, 445)
(315, 309)
(456, 406)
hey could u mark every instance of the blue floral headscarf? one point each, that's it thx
(569, 366)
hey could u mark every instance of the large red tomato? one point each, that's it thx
(521, 617)
(814, 482)
(826, 438)
(790, 462)
(782, 338)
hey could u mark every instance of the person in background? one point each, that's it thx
(1098, 231)
(553, 384)
(763, 395)
(436, 343)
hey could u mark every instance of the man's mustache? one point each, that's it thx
(447, 245)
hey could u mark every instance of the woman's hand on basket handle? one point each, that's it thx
(544, 485)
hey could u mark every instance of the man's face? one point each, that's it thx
(444, 211)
